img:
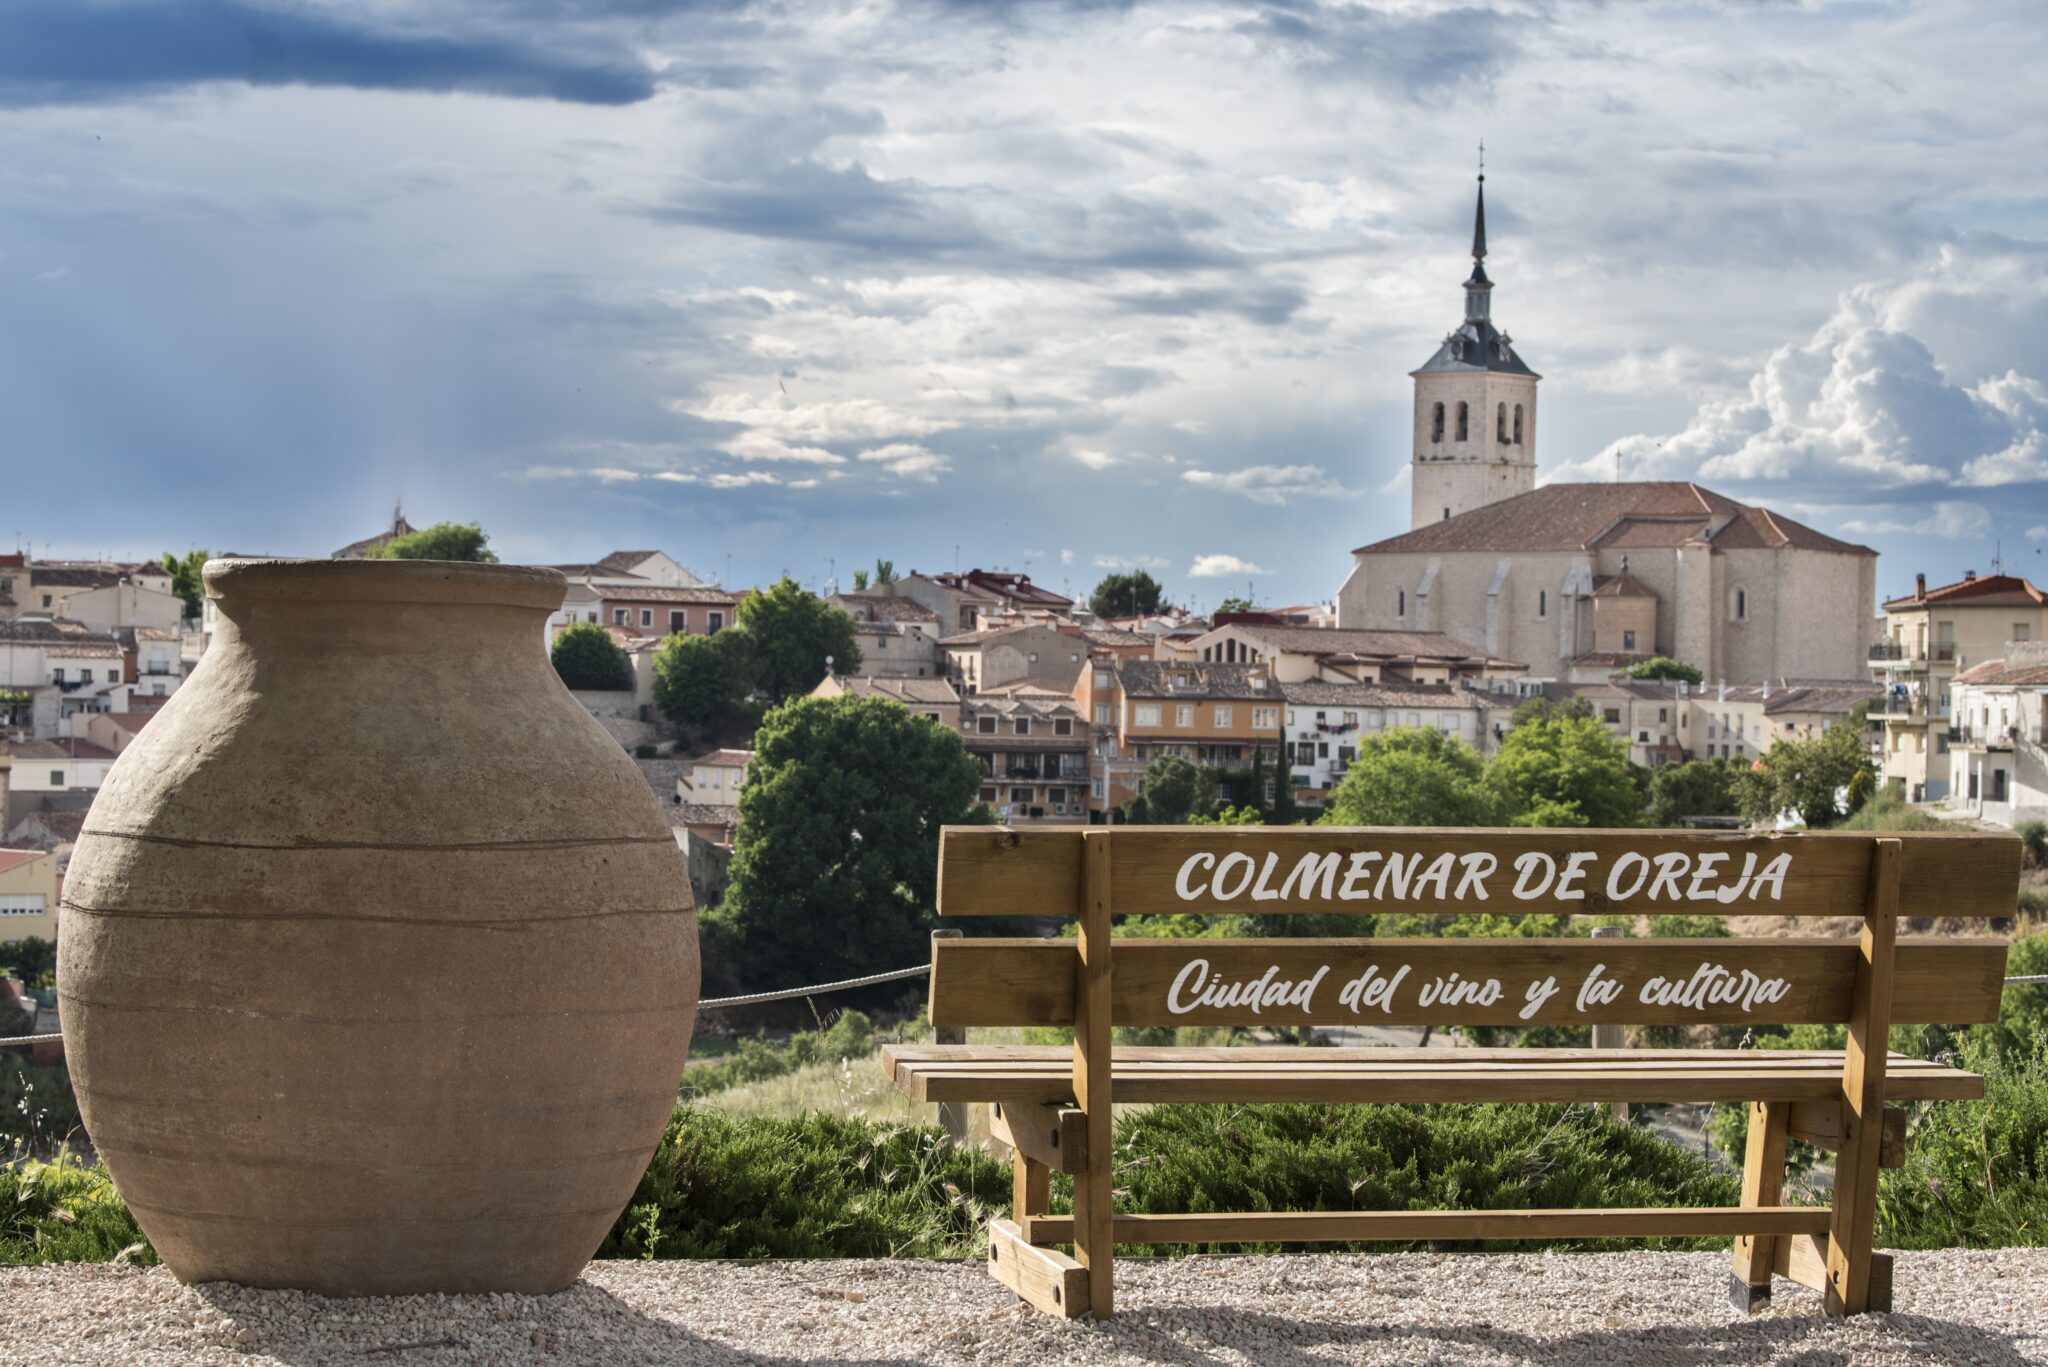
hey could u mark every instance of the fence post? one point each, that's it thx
(1612, 1036)
(952, 1114)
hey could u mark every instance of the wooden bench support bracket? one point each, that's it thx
(1043, 1277)
(1055, 1136)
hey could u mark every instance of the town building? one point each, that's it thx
(1045, 650)
(661, 610)
(28, 895)
(933, 698)
(1141, 710)
(50, 775)
(1032, 743)
(1624, 571)
(1324, 723)
(1997, 752)
(715, 779)
(898, 636)
(1298, 653)
(1930, 636)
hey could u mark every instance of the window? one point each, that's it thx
(56, 676)
(1375, 720)
(159, 690)
(647, 617)
(1740, 605)
(1415, 719)
(1464, 425)
(985, 725)
(1265, 718)
(2020, 631)
(1401, 598)
(1056, 796)
(988, 795)
(618, 617)
(1063, 726)
(1290, 716)
(1612, 716)
(21, 904)
(1223, 714)
(1034, 657)
(1145, 714)
(85, 675)
(1500, 424)
(1102, 714)
(56, 778)
(1184, 714)
(1095, 786)
(1664, 714)
(1022, 726)
(1643, 737)
(1628, 640)
(1020, 796)
(1454, 723)
(1351, 719)
(1436, 424)
(1542, 604)
(1322, 749)
(1518, 424)
(717, 621)
(678, 621)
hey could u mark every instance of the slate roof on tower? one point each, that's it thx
(1580, 517)
(1476, 344)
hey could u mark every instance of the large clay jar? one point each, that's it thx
(377, 958)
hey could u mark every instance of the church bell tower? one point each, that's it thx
(1475, 408)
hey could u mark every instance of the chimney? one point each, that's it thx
(1920, 587)
(1969, 575)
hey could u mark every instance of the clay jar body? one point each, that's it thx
(377, 960)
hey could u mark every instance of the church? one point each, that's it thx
(1576, 580)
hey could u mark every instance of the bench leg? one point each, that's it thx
(1030, 1190)
(1863, 1066)
(1763, 1184)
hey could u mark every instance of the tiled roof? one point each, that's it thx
(1157, 679)
(65, 748)
(1114, 638)
(726, 759)
(1986, 591)
(1994, 674)
(68, 577)
(701, 814)
(14, 859)
(1574, 517)
(1033, 686)
(596, 571)
(622, 562)
(1622, 586)
(1027, 705)
(60, 827)
(1317, 693)
(921, 692)
(44, 629)
(887, 607)
(654, 593)
(1365, 643)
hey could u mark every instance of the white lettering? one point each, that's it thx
(1622, 866)
(1538, 995)
(1472, 881)
(1440, 870)
(1262, 893)
(1670, 866)
(1527, 867)
(1223, 871)
(1774, 874)
(1356, 872)
(1198, 970)
(1193, 861)
(1702, 871)
(1307, 870)
(1569, 887)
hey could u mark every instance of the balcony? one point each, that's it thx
(1888, 651)
(1983, 738)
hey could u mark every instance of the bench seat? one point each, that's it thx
(1032, 1075)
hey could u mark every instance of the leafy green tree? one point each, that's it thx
(442, 541)
(1664, 667)
(1564, 771)
(701, 681)
(28, 958)
(792, 632)
(1544, 709)
(885, 571)
(1412, 776)
(860, 580)
(1133, 594)
(587, 658)
(1174, 790)
(835, 863)
(1235, 604)
(1806, 776)
(185, 581)
(1700, 787)
(1246, 815)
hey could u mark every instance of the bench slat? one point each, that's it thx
(992, 871)
(1005, 982)
(1326, 1226)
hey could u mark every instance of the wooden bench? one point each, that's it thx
(1053, 1105)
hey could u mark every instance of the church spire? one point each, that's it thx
(1478, 288)
(1479, 223)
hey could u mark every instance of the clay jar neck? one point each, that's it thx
(489, 616)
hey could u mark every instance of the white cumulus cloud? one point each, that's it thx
(1223, 567)
(1270, 484)
(908, 460)
(1951, 520)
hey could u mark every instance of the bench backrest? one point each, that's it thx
(1093, 875)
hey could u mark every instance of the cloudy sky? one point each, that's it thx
(1063, 286)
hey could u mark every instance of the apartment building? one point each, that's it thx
(28, 895)
(1997, 752)
(1931, 635)
(715, 779)
(898, 636)
(933, 698)
(661, 610)
(1141, 710)
(1325, 723)
(1032, 743)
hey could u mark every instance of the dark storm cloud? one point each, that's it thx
(67, 52)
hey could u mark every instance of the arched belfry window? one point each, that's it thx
(1500, 424)
(1436, 424)
(1464, 424)
(1518, 424)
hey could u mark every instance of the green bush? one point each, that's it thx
(1305, 1157)
(809, 1186)
(62, 1212)
(1888, 811)
(2034, 836)
(30, 959)
(1976, 1172)
(851, 1035)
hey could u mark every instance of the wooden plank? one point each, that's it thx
(1044, 1277)
(1093, 1188)
(1030, 1189)
(1330, 1226)
(1056, 1136)
(1819, 1123)
(1763, 1184)
(1851, 1230)
(1009, 982)
(1803, 1259)
(995, 872)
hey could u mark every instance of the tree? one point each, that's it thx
(1808, 777)
(792, 632)
(860, 580)
(1136, 594)
(1564, 771)
(185, 580)
(1664, 667)
(1700, 787)
(835, 862)
(885, 571)
(442, 541)
(1543, 709)
(1412, 776)
(1174, 789)
(1235, 604)
(700, 681)
(587, 658)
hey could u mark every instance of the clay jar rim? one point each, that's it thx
(235, 581)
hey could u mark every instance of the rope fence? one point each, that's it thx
(820, 989)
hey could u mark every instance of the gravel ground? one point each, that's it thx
(1571, 1310)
